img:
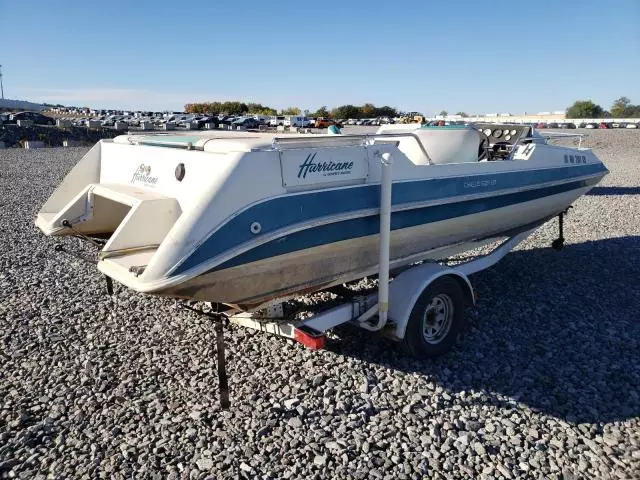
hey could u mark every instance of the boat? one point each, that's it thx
(247, 219)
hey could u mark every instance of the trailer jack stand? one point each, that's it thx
(109, 285)
(219, 319)
(558, 243)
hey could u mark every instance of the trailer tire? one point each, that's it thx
(435, 320)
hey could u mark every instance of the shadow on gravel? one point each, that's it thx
(557, 331)
(614, 191)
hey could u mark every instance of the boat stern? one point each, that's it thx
(148, 202)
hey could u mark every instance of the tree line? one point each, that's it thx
(621, 108)
(229, 108)
(368, 110)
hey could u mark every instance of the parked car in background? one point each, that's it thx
(109, 122)
(246, 122)
(187, 119)
(567, 125)
(226, 119)
(633, 125)
(200, 122)
(174, 118)
(323, 122)
(604, 125)
(35, 117)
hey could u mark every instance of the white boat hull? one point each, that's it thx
(253, 284)
(248, 219)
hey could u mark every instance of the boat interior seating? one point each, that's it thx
(444, 145)
(437, 146)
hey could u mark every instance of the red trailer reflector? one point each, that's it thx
(310, 339)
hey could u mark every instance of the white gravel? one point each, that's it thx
(545, 383)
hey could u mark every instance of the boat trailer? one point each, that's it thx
(424, 298)
(391, 308)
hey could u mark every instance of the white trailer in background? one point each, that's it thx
(277, 121)
(297, 121)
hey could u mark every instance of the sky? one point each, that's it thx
(476, 56)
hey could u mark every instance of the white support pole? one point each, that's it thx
(385, 243)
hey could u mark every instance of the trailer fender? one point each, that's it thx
(405, 289)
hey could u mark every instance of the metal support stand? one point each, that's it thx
(223, 381)
(558, 243)
(386, 183)
(109, 285)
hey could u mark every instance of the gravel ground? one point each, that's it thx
(545, 383)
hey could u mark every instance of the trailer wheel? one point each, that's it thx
(435, 320)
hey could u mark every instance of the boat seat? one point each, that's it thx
(443, 144)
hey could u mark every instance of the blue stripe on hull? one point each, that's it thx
(289, 210)
(364, 226)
